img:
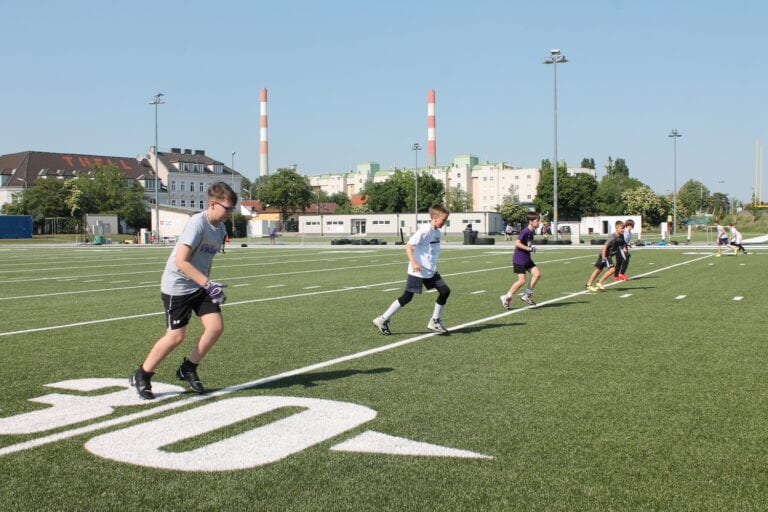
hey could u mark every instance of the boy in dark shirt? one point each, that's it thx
(611, 247)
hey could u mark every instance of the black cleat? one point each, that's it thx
(141, 380)
(188, 372)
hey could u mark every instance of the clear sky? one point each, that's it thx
(348, 82)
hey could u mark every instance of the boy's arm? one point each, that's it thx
(414, 264)
(183, 257)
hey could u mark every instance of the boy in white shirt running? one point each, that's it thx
(423, 249)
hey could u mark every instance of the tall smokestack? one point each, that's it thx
(263, 144)
(431, 144)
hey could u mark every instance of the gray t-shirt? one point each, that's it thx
(205, 240)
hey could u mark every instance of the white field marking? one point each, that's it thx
(221, 267)
(241, 284)
(625, 295)
(250, 301)
(433, 290)
(65, 279)
(93, 280)
(40, 441)
(155, 283)
(738, 298)
(123, 281)
(390, 289)
(478, 292)
(680, 297)
(311, 287)
(149, 282)
(275, 286)
(79, 291)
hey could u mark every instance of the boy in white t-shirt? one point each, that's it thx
(423, 249)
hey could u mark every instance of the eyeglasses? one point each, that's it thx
(229, 209)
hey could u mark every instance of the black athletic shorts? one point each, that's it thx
(522, 269)
(413, 284)
(179, 308)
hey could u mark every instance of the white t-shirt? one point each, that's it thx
(426, 249)
(205, 240)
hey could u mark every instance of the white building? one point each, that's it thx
(488, 184)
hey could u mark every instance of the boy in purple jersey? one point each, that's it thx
(522, 263)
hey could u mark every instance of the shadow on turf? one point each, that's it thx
(309, 380)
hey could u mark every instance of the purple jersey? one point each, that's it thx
(522, 257)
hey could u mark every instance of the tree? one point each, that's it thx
(458, 200)
(642, 201)
(512, 212)
(588, 163)
(397, 194)
(690, 198)
(106, 190)
(287, 191)
(44, 198)
(575, 194)
(613, 185)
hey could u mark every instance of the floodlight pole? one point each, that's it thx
(675, 135)
(157, 101)
(416, 148)
(555, 58)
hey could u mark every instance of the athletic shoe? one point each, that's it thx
(188, 372)
(599, 287)
(618, 278)
(505, 301)
(382, 325)
(624, 277)
(436, 325)
(527, 299)
(591, 288)
(718, 255)
(735, 251)
(141, 381)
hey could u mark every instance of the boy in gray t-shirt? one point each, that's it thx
(185, 288)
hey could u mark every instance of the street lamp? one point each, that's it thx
(157, 101)
(675, 135)
(416, 148)
(555, 58)
(234, 233)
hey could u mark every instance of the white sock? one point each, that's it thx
(438, 310)
(391, 311)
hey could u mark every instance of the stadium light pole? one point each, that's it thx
(675, 135)
(416, 148)
(156, 102)
(234, 233)
(555, 58)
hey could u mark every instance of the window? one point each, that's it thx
(173, 202)
(183, 186)
(191, 186)
(201, 187)
(183, 203)
(173, 186)
(202, 205)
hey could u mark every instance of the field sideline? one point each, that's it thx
(648, 396)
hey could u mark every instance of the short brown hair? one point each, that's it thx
(222, 192)
(630, 223)
(438, 209)
(531, 216)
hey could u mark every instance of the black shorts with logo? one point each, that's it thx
(179, 308)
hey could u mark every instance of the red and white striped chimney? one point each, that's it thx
(431, 144)
(263, 144)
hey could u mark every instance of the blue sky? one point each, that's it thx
(348, 82)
